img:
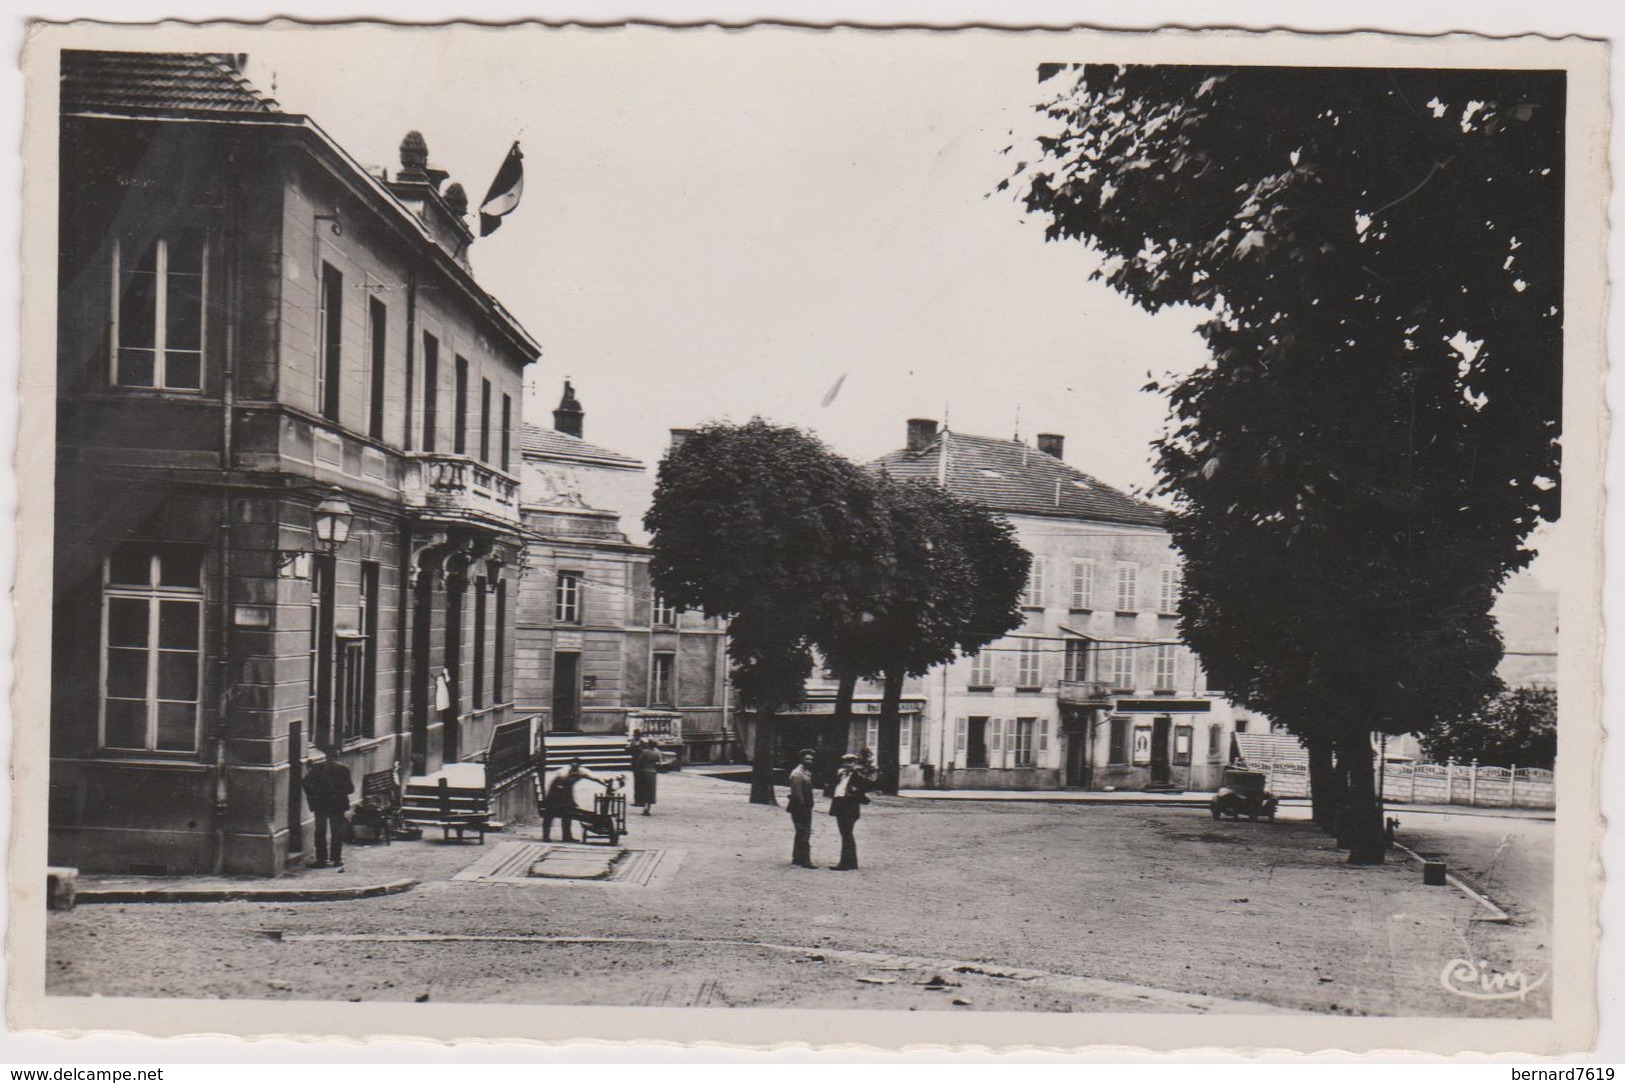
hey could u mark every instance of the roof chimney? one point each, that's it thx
(921, 431)
(679, 437)
(567, 418)
(1051, 444)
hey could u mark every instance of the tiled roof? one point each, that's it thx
(94, 81)
(552, 443)
(1009, 476)
(1261, 749)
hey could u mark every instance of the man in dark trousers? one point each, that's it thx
(328, 786)
(801, 810)
(559, 800)
(850, 792)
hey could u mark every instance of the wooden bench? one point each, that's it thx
(450, 808)
(380, 808)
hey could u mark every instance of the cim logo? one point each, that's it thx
(1480, 981)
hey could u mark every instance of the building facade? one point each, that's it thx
(254, 331)
(599, 654)
(1095, 690)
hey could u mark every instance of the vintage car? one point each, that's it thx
(1242, 793)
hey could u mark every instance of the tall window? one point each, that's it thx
(485, 420)
(1083, 584)
(377, 328)
(320, 695)
(431, 389)
(1029, 662)
(1077, 660)
(981, 669)
(1122, 665)
(1128, 587)
(971, 741)
(460, 406)
(507, 430)
(662, 679)
(152, 637)
(905, 738)
(664, 612)
(1213, 741)
(1035, 584)
(478, 686)
(1165, 666)
(1022, 736)
(567, 598)
(356, 663)
(499, 644)
(1168, 590)
(328, 369)
(158, 312)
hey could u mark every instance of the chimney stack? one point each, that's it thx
(921, 431)
(1051, 444)
(679, 436)
(568, 417)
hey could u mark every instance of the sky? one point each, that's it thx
(714, 230)
(720, 224)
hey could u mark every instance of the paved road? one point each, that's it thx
(959, 906)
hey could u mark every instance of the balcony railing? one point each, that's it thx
(1085, 692)
(457, 487)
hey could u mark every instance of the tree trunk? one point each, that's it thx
(888, 755)
(1325, 791)
(761, 759)
(844, 693)
(1362, 817)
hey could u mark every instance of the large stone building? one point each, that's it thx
(287, 509)
(599, 655)
(1095, 690)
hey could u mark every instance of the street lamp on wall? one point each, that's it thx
(333, 516)
(330, 528)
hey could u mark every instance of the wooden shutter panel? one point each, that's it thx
(961, 730)
(995, 744)
(1043, 735)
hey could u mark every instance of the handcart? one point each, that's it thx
(607, 820)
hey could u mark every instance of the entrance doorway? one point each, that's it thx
(1077, 758)
(566, 692)
(976, 742)
(1161, 733)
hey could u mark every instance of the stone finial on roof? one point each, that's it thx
(457, 199)
(414, 151)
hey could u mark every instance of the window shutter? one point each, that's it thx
(1043, 735)
(995, 744)
(905, 740)
(961, 728)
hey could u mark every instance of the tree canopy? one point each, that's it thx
(766, 527)
(1379, 254)
(1518, 728)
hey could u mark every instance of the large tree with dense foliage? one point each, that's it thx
(1379, 252)
(952, 585)
(1518, 728)
(766, 527)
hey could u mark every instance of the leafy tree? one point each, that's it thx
(953, 584)
(1380, 256)
(1518, 728)
(766, 527)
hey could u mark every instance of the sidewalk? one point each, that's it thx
(301, 885)
(1192, 799)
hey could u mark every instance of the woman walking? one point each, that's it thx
(645, 773)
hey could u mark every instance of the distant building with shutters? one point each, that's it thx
(1095, 690)
(599, 655)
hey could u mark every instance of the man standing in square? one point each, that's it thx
(328, 787)
(849, 794)
(801, 810)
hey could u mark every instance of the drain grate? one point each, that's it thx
(545, 862)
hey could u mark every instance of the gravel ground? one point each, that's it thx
(959, 906)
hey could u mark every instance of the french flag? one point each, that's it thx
(504, 193)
